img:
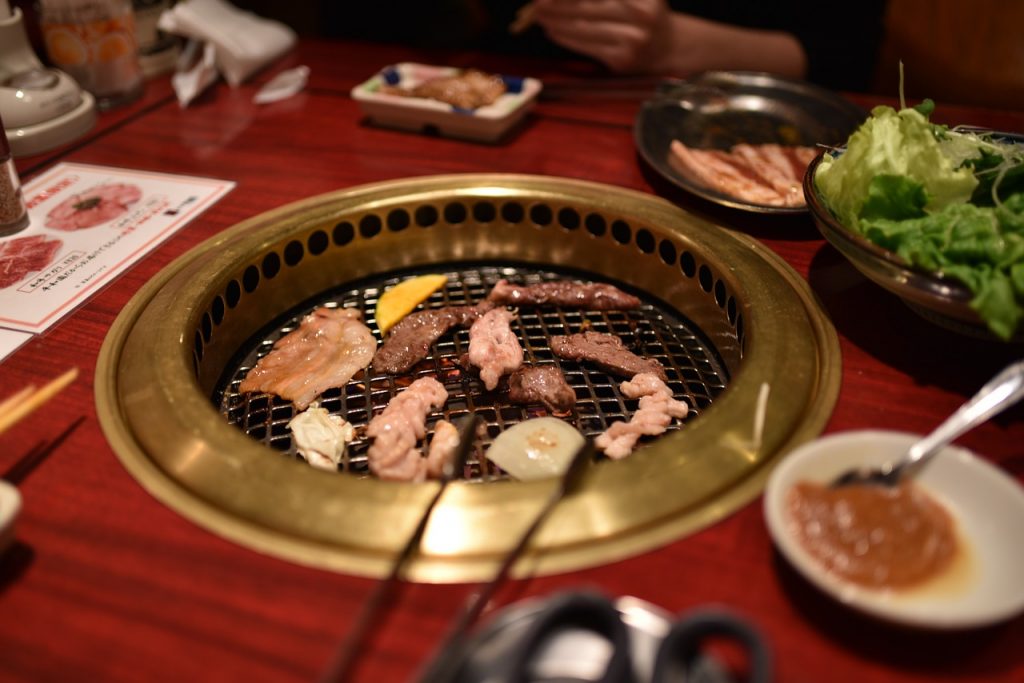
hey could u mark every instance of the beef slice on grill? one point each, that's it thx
(410, 339)
(541, 384)
(607, 352)
(593, 296)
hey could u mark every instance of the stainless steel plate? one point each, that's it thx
(722, 108)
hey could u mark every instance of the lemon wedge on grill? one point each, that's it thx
(400, 300)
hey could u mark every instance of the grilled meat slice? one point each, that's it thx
(395, 432)
(541, 384)
(442, 446)
(410, 339)
(494, 347)
(606, 351)
(329, 346)
(654, 415)
(593, 297)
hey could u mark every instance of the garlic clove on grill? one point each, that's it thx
(321, 438)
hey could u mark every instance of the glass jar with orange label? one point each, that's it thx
(94, 41)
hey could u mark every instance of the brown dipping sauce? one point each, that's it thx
(875, 536)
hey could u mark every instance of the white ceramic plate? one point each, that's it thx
(10, 505)
(484, 124)
(984, 586)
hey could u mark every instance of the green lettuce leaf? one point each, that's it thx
(892, 143)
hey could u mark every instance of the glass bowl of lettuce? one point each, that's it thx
(933, 214)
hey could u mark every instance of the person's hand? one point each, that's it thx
(629, 36)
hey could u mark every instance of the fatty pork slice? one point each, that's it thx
(654, 415)
(719, 172)
(325, 351)
(442, 448)
(394, 455)
(494, 347)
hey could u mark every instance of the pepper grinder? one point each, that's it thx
(13, 214)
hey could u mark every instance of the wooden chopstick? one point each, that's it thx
(524, 19)
(27, 400)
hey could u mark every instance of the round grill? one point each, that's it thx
(729, 320)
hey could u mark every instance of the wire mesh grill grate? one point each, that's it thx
(695, 372)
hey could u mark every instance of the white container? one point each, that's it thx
(484, 124)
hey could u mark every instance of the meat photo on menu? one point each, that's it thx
(24, 255)
(93, 207)
(87, 224)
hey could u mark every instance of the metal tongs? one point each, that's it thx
(449, 652)
(341, 666)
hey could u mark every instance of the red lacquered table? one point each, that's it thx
(105, 583)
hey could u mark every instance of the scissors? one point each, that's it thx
(509, 651)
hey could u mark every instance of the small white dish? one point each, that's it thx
(984, 585)
(10, 506)
(484, 124)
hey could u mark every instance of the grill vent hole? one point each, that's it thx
(271, 265)
(705, 279)
(293, 253)
(596, 225)
(233, 293)
(688, 264)
(398, 220)
(645, 240)
(344, 233)
(621, 232)
(197, 345)
(568, 219)
(730, 311)
(541, 214)
(426, 216)
(513, 212)
(251, 279)
(317, 243)
(484, 212)
(720, 293)
(207, 327)
(667, 251)
(217, 309)
(455, 213)
(369, 226)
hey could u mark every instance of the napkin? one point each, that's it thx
(242, 42)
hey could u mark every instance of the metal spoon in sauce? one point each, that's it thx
(1001, 392)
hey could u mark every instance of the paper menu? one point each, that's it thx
(89, 224)
(11, 341)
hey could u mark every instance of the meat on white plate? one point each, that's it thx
(328, 347)
(494, 347)
(396, 431)
(768, 174)
(655, 413)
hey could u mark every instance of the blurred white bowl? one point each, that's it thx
(10, 505)
(985, 584)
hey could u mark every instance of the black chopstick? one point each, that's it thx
(341, 665)
(447, 659)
